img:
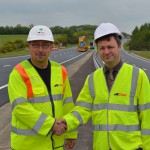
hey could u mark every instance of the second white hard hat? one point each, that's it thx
(40, 32)
(105, 29)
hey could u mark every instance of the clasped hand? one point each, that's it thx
(59, 126)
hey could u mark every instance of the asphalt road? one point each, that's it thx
(77, 72)
(64, 57)
(84, 141)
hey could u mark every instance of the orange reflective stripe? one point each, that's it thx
(26, 80)
(64, 75)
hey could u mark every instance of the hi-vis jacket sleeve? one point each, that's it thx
(144, 109)
(68, 106)
(23, 111)
(82, 110)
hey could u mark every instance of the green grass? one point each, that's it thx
(12, 38)
(15, 53)
(7, 38)
(145, 54)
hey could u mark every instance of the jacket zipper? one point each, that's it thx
(108, 116)
(52, 103)
(108, 125)
(53, 115)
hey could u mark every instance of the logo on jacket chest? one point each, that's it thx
(120, 94)
(56, 85)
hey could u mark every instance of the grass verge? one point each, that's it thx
(15, 53)
(145, 54)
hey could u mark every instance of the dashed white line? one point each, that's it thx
(6, 65)
(144, 69)
(2, 87)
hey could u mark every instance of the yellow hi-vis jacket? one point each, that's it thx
(34, 108)
(121, 117)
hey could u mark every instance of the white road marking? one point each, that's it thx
(144, 69)
(72, 58)
(4, 86)
(6, 65)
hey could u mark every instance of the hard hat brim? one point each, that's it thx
(40, 38)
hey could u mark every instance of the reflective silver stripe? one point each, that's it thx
(39, 99)
(18, 101)
(42, 99)
(40, 122)
(135, 74)
(57, 97)
(91, 85)
(23, 131)
(116, 127)
(77, 115)
(144, 106)
(114, 107)
(146, 132)
(68, 100)
(130, 108)
(84, 104)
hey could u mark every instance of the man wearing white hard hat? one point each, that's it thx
(116, 97)
(39, 92)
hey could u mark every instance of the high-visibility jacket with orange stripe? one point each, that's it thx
(34, 108)
(121, 117)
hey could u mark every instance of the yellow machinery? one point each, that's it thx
(82, 44)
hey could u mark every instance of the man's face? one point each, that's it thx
(40, 51)
(109, 51)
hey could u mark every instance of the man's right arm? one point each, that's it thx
(81, 113)
(22, 110)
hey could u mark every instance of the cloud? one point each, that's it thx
(125, 14)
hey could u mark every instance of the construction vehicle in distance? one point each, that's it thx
(82, 44)
(91, 44)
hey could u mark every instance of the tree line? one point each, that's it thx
(140, 38)
(18, 29)
(63, 35)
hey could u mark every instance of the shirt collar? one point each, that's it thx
(116, 68)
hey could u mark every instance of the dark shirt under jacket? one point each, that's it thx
(115, 72)
(44, 74)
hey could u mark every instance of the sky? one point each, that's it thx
(125, 14)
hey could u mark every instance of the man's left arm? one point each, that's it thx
(68, 105)
(144, 108)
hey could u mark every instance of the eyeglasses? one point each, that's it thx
(43, 45)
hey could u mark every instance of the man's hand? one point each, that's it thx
(69, 144)
(59, 127)
(61, 121)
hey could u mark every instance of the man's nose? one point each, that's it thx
(40, 47)
(106, 51)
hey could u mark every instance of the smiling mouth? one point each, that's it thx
(40, 55)
(107, 57)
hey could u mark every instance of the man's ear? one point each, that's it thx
(29, 45)
(52, 45)
(120, 47)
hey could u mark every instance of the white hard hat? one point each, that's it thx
(40, 32)
(105, 29)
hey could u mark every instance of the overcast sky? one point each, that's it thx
(126, 14)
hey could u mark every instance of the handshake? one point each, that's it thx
(59, 126)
